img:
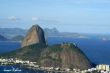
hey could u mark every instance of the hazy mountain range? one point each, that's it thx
(16, 34)
(2, 38)
(12, 32)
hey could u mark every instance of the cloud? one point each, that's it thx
(13, 18)
(35, 18)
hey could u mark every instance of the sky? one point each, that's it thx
(82, 16)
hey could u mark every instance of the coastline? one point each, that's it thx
(34, 66)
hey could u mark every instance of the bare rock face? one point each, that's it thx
(34, 35)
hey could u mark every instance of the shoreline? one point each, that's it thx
(34, 66)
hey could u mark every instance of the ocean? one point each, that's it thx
(7, 46)
(18, 69)
(97, 50)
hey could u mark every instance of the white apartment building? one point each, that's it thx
(103, 67)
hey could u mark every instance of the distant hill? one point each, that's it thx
(17, 38)
(51, 32)
(13, 32)
(10, 33)
(2, 38)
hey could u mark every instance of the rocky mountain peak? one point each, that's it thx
(34, 35)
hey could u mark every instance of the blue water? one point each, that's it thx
(18, 69)
(98, 51)
(8, 46)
